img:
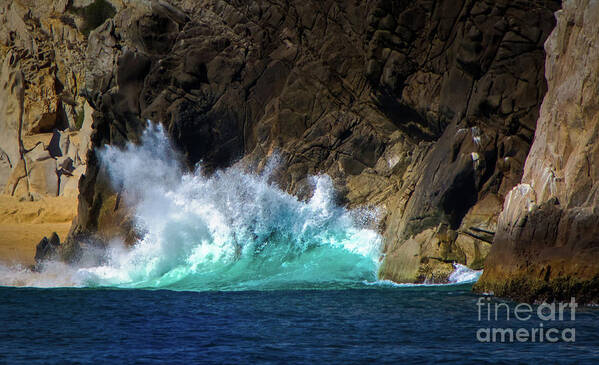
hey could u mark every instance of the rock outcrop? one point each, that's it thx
(547, 243)
(47, 249)
(425, 110)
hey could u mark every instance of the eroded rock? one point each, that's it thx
(425, 110)
(547, 241)
(41, 74)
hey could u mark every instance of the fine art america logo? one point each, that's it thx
(531, 325)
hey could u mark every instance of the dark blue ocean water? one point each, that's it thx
(382, 325)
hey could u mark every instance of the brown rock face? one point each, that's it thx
(425, 110)
(466, 82)
(547, 242)
(44, 135)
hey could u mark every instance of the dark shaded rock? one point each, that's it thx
(47, 249)
(93, 14)
(467, 87)
(167, 10)
(71, 250)
(54, 145)
(425, 109)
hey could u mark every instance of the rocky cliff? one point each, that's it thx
(547, 243)
(424, 110)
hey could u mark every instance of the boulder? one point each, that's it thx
(47, 249)
(42, 177)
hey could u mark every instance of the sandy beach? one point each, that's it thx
(24, 224)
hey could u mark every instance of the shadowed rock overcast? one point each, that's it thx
(424, 110)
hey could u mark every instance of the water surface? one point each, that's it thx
(377, 324)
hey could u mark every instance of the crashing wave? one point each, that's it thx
(228, 231)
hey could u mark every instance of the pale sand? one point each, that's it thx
(24, 224)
